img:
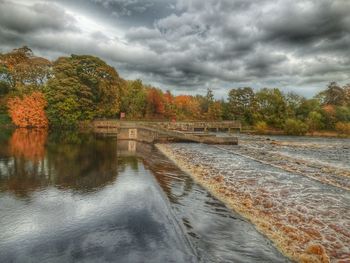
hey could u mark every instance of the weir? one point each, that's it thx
(153, 132)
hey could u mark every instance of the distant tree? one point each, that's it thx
(261, 127)
(170, 107)
(307, 106)
(27, 72)
(329, 116)
(342, 113)
(295, 127)
(271, 107)
(134, 100)
(334, 95)
(215, 111)
(343, 127)
(187, 108)
(241, 104)
(293, 103)
(29, 111)
(155, 103)
(314, 121)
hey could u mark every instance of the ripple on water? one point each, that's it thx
(300, 214)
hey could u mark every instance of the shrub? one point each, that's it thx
(261, 127)
(295, 127)
(4, 119)
(343, 127)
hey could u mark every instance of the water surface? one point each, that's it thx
(68, 197)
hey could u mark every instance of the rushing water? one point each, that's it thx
(303, 195)
(67, 197)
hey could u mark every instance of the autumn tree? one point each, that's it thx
(215, 111)
(155, 103)
(187, 107)
(28, 111)
(26, 72)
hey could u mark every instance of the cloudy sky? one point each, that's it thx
(188, 46)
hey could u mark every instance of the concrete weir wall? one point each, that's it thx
(161, 132)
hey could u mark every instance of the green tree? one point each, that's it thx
(314, 121)
(293, 103)
(295, 127)
(271, 107)
(343, 113)
(134, 100)
(307, 106)
(241, 104)
(82, 88)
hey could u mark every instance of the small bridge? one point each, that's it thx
(152, 132)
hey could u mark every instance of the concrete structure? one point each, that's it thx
(152, 132)
(186, 126)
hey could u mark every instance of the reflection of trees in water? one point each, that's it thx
(69, 160)
(82, 161)
(29, 144)
(25, 161)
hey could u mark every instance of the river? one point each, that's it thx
(294, 189)
(81, 197)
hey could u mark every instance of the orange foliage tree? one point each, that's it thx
(29, 111)
(155, 102)
(188, 107)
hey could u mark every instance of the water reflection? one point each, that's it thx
(68, 197)
(66, 160)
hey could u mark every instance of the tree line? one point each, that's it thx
(35, 92)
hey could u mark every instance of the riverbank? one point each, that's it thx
(282, 204)
(325, 134)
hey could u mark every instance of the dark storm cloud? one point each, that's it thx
(193, 44)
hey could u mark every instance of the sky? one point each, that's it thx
(190, 46)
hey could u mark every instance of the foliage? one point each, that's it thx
(5, 119)
(83, 88)
(335, 95)
(134, 100)
(314, 121)
(241, 104)
(215, 111)
(343, 127)
(29, 111)
(155, 103)
(342, 113)
(22, 71)
(271, 107)
(295, 127)
(261, 127)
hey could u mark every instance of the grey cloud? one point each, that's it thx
(195, 44)
(307, 21)
(22, 18)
